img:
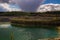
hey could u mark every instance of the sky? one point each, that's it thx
(31, 6)
(26, 5)
(47, 1)
(52, 1)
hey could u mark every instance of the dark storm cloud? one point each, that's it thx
(4, 1)
(28, 5)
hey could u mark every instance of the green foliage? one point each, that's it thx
(16, 13)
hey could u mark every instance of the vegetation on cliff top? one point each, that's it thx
(15, 13)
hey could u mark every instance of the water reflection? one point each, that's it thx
(5, 25)
(25, 33)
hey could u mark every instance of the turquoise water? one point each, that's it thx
(8, 32)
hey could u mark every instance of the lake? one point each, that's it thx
(9, 32)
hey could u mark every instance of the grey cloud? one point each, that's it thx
(28, 5)
(4, 1)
